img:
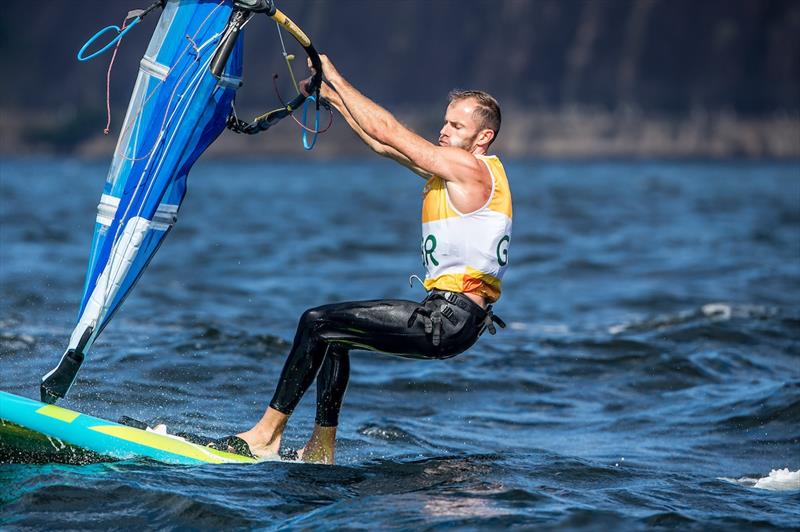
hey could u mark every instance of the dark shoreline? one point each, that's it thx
(562, 134)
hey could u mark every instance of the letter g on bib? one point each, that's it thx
(502, 250)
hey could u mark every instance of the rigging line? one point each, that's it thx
(315, 131)
(108, 79)
(286, 57)
(291, 111)
(245, 23)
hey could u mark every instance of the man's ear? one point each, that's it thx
(485, 137)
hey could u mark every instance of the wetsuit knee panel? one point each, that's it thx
(312, 316)
(454, 344)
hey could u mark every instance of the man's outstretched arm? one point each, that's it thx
(327, 92)
(449, 163)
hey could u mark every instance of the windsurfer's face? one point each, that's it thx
(460, 128)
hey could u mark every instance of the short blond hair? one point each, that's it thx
(487, 113)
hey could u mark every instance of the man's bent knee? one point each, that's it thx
(312, 316)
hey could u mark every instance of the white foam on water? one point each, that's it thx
(717, 311)
(777, 480)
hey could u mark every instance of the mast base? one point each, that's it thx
(57, 383)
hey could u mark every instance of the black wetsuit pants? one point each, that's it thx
(443, 325)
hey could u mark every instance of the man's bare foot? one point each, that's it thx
(264, 439)
(320, 447)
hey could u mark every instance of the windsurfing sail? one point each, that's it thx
(181, 102)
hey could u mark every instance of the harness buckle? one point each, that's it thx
(436, 326)
(489, 320)
(432, 321)
(449, 313)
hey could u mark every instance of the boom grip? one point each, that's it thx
(316, 80)
(225, 47)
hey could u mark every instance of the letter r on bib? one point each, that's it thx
(428, 247)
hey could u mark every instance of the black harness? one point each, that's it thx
(432, 319)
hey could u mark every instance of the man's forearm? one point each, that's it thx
(336, 101)
(378, 147)
(451, 163)
(411, 150)
(371, 118)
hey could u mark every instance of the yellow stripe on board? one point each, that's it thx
(56, 412)
(170, 445)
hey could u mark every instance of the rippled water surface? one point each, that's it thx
(653, 350)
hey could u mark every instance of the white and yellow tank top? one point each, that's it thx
(467, 252)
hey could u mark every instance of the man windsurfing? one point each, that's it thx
(466, 228)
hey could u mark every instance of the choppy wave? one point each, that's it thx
(659, 330)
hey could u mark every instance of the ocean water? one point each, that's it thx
(649, 376)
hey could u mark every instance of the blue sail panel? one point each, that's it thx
(180, 103)
(177, 109)
(175, 94)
